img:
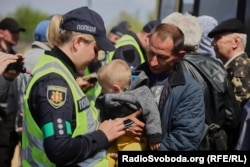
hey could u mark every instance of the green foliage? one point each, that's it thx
(27, 18)
(133, 19)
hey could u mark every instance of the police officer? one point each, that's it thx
(229, 43)
(60, 126)
(131, 46)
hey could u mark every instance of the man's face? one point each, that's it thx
(113, 37)
(9, 37)
(223, 44)
(160, 57)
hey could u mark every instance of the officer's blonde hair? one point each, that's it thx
(56, 36)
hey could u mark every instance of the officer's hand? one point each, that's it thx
(113, 128)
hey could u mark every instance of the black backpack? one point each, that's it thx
(222, 116)
(129, 54)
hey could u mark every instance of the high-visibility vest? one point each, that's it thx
(33, 153)
(123, 41)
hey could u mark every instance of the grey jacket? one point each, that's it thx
(138, 95)
(13, 92)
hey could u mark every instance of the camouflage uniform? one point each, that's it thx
(239, 74)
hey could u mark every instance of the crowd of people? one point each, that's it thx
(180, 84)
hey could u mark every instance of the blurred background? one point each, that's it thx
(137, 12)
(29, 12)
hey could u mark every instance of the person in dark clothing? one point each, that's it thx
(222, 110)
(60, 126)
(5, 60)
(117, 32)
(229, 42)
(179, 97)
(131, 46)
(9, 37)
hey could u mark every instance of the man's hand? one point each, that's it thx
(5, 60)
(137, 128)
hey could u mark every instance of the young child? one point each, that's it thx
(122, 94)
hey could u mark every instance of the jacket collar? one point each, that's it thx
(175, 79)
(59, 54)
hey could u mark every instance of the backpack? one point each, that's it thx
(129, 54)
(222, 114)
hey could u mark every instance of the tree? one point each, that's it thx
(27, 18)
(133, 19)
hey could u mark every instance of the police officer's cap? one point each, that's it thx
(87, 21)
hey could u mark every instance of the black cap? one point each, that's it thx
(87, 21)
(230, 25)
(125, 24)
(150, 25)
(11, 25)
(119, 30)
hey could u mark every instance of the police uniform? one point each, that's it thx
(52, 113)
(59, 123)
(129, 49)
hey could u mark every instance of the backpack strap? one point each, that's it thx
(207, 114)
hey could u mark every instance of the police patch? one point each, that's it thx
(83, 103)
(56, 95)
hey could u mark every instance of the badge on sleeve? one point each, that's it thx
(56, 95)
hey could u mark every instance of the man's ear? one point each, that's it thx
(181, 54)
(236, 42)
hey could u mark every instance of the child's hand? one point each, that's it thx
(155, 146)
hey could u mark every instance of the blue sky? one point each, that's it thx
(108, 9)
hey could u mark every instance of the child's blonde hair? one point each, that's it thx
(117, 72)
